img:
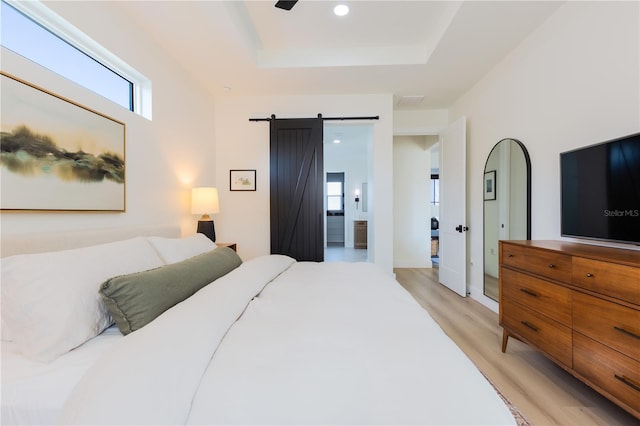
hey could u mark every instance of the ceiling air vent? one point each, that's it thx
(410, 100)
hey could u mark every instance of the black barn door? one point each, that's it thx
(297, 222)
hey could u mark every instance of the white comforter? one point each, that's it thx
(280, 342)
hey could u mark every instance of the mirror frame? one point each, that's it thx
(527, 160)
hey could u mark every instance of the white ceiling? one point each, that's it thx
(435, 49)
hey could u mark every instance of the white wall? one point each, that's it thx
(164, 157)
(411, 212)
(244, 216)
(419, 122)
(573, 82)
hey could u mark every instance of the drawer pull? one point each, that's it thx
(589, 275)
(551, 265)
(627, 381)
(529, 292)
(510, 255)
(628, 333)
(531, 326)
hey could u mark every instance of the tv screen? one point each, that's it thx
(600, 191)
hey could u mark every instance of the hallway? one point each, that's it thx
(344, 254)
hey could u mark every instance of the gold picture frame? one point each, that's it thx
(57, 155)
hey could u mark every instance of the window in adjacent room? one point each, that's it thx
(35, 32)
(334, 196)
(435, 189)
(335, 193)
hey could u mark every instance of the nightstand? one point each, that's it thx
(232, 246)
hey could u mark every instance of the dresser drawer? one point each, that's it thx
(512, 255)
(541, 296)
(614, 325)
(619, 281)
(546, 334)
(610, 370)
(542, 262)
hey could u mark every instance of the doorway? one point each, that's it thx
(347, 160)
(434, 206)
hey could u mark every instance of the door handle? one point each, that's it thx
(461, 228)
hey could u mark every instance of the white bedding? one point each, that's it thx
(33, 392)
(321, 344)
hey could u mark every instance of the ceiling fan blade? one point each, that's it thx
(286, 4)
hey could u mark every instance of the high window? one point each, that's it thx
(36, 33)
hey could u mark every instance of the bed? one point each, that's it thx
(268, 341)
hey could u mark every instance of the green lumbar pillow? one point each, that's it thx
(136, 299)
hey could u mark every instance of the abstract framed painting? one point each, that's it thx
(57, 155)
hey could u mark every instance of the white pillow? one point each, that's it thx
(50, 301)
(173, 250)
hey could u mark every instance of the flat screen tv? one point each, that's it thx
(600, 191)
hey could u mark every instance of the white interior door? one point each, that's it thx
(452, 232)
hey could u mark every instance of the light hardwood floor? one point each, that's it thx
(543, 392)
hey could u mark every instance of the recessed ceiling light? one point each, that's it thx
(341, 9)
(336, 141)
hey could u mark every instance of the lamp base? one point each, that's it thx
(206, 227)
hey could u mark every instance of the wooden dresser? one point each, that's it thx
(579, 305)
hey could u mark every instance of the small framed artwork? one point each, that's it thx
(490, 185)
(242, 180)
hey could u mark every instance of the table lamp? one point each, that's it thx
(204, 201)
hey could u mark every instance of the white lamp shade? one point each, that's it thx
(204, 200)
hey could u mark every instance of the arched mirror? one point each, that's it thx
(507, 204)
